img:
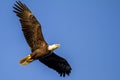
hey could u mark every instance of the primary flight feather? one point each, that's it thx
(40, 50)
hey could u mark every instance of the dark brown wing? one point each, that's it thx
(57, 63)
(30, 26)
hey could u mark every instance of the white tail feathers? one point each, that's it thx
(25, 61)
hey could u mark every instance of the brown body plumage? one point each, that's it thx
(40, 50)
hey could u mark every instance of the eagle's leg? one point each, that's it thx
(26, 60)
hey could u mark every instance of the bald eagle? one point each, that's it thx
(40, 50)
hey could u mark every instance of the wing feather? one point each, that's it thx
(30, 26)
(57, 63)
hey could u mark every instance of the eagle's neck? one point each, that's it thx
(53, 47)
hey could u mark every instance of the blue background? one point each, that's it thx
(88, 31)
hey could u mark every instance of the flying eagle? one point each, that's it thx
(40, 50)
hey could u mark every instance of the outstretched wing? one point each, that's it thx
(57, 63)
(30, 26)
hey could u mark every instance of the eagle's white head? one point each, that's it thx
(53, 47)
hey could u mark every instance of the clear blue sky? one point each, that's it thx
(88, 31)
